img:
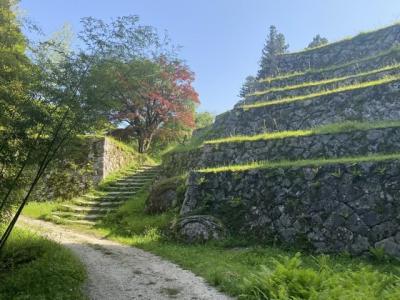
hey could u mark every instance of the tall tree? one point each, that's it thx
(317, 42)
(44, 105)
(148, 87)
(275, 45)
(17, 80)
(249, 86)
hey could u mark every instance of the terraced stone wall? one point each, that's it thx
(328, 208)
(81, 166)
(177, 163)
(387, 58)
(352, 143)
(374, 103)
(363, 45)
(306, 90)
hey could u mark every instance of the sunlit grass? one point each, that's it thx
(32, 267)
(347, 126)
(381, 81)
(300, 163)
(326, 81)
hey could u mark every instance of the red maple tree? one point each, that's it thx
(162, 93)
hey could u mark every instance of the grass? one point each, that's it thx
(347, 126)
(395, 49)
(40, 210)
(384, 80)
(247, 270)
(301, 163)
(326, 81)
(195, 142)
(32, 267)
(251, 271)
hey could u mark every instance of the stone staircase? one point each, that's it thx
(92, 207)
(312, 158)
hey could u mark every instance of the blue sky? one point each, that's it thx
(222, 39)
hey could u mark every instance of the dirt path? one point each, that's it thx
(117, 271)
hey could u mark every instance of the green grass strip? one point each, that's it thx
(347, 126)
(323, 93)
(327, 81)
(391, 51)
(301, 163)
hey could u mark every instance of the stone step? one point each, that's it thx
(126, 188)
(68, 221)
(379, 102)
(136, 179)
(107, 197)
(86, 209)
(129, 183)
(77, 216)
(98, 203)
(120, 193)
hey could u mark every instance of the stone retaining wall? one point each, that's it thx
(360, 46)
(330, 208)
(388, 58)
(177, 163)
(353, 143)
(375, 103)
(306, 90)
(81, 167)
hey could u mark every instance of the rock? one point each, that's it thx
(390, 246)
(360, 245)
(202, 228)
(165, 195)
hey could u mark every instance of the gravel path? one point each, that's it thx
(117, 271)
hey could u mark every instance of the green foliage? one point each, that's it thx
(131, 220)
(275, 45)
(317, 41)
(204, 119)
(32, 267)
(249, 86)
(146, 86)
(18, 78)
(288, 278)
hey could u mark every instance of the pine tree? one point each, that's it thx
(317, 41)
(275, 45)
(249, 86)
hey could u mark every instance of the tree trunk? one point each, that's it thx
(144, 142)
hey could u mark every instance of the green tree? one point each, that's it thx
(317, 42)
(149, 89)
(17, 81)
(275, 45)
(249, 86)
(204, 119)
(44, 106)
